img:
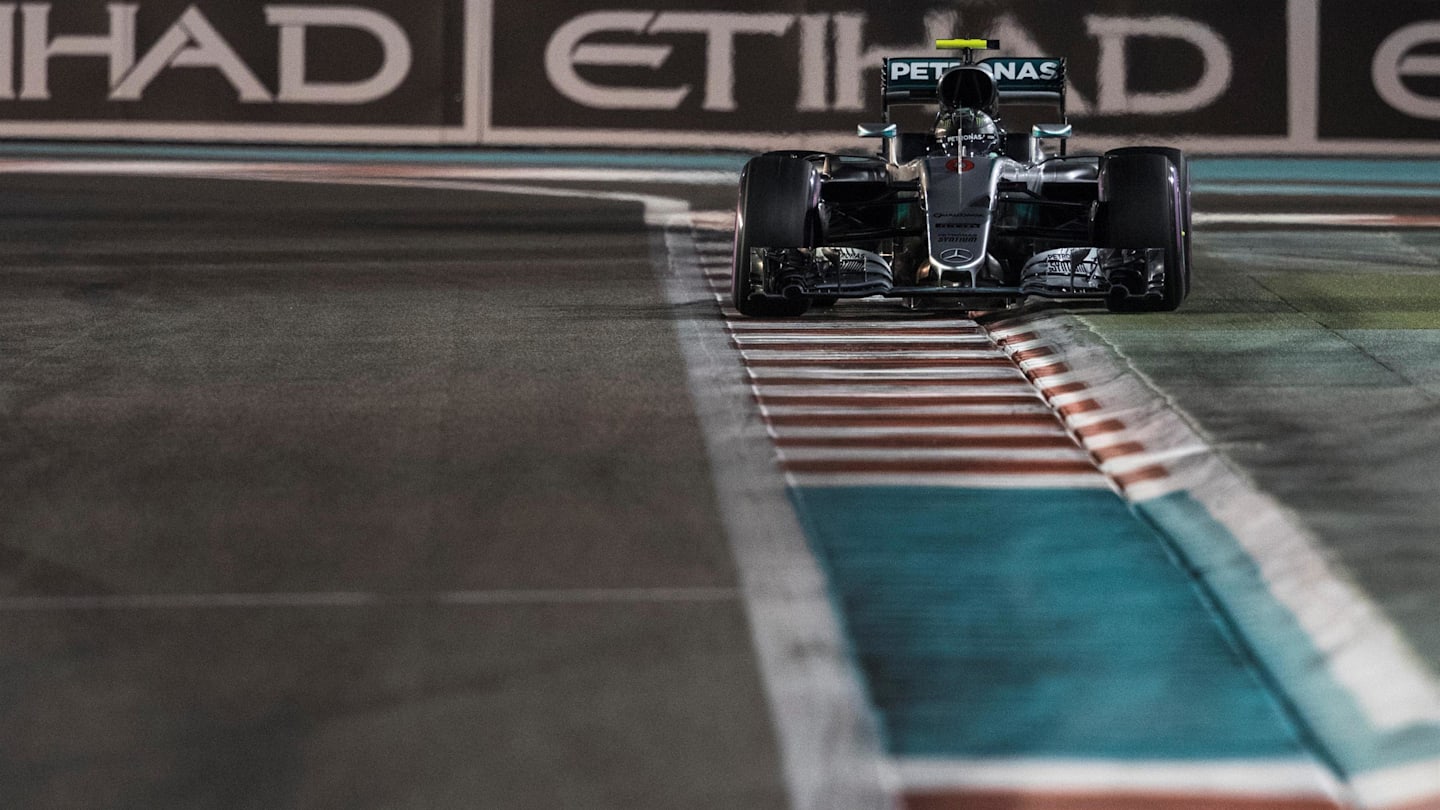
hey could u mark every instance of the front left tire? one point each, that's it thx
(1145, 196)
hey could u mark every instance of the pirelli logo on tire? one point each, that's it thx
(369, 71)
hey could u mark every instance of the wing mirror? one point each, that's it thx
(878, 130)
(1061, 131)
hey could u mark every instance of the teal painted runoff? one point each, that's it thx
(1034, 623)
(1311, 170)
(1350, 741)
(1312, 190)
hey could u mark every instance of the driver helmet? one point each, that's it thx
(970, 132)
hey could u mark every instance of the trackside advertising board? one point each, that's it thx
(673, 69)
(365, 71)
(1312, 76)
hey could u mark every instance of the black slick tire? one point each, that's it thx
(779, 196)
(1145, 200)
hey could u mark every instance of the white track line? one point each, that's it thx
(904, 454)
(883, 390)
(829, 737)
(953, 480)
(998, 374)
(1219, 779)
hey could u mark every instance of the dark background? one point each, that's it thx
(1350, 36)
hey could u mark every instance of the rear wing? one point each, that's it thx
(914, 79)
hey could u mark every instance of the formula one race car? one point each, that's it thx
(956, 207)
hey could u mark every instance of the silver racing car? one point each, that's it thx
(962, 203)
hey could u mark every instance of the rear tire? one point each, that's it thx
(1145, 199)
(779, 198)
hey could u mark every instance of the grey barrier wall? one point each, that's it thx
(1319, 76)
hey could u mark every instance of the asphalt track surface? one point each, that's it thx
(276, 462)
(324, 496)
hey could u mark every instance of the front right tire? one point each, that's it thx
(777, 209)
